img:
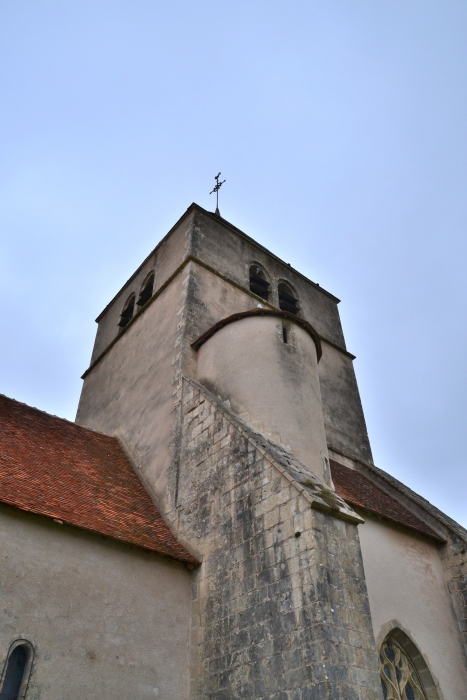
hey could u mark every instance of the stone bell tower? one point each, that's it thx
(224, 374)
(288, 369)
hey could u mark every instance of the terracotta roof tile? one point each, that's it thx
(55, 468)
(359, 491)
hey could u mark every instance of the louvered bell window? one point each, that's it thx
(127, 313)
(146, 292)
(258, 282)
(287, 299)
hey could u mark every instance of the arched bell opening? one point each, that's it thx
(259, 284)
(288, 300)
(127, 313)
(147, 290)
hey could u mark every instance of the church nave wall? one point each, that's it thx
(407, 589)
(106, 620)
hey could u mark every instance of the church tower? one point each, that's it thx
(224, 374)
(212, 304)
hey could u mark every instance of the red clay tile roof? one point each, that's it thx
(359, 491)
(55, 468)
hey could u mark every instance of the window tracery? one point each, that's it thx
(399, 676)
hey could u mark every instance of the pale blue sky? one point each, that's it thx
(341, 130)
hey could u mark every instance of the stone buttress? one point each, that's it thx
(280, 608)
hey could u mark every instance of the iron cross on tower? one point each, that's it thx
(216, 189)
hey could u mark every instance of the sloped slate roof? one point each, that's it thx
(52, 467)
(359, 491)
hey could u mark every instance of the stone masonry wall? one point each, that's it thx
(455, 565)
(280, 607)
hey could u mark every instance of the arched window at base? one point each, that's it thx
(17, 669)
(404, 673)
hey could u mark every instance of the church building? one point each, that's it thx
(213, 526)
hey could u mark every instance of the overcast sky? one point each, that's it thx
(341, 129)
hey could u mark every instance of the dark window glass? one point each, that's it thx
(14, 674)
(399, 677)
(287, 300)
(258, 282)
(146, 292)
(127, 313)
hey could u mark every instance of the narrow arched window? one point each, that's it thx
(287, 299)
(399, 677)
(258, 282)
(146, 290)
(127, 313)
(16, 674)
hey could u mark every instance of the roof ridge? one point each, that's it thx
(361, 491)
(52, 415)
(409, 493)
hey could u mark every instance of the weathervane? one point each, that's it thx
(216, 189)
